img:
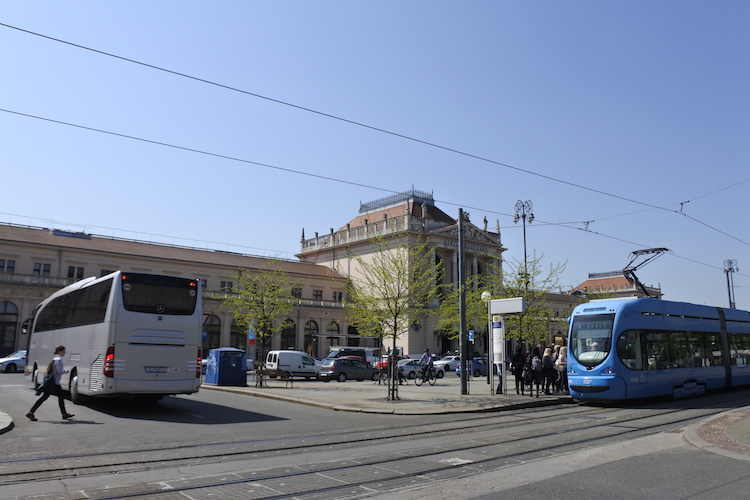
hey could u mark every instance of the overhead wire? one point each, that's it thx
(300, 172)
(334, 117)
(356, 123)
(377, 129)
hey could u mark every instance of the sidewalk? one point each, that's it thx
(370, 397)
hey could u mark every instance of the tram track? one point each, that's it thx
(167, 455)
(378, 473)
(512, 444)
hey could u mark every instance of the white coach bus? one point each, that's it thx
(125, 334)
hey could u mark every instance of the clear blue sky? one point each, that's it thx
(609, 112)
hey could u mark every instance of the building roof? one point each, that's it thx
(616, 282)
(62, 239)
(430, 212)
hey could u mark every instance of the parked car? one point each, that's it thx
(367, 354)
(13, 362)
(382, 363)
(409, 367)
(342, 369)
(298, 363)
(478, 367)
(448, 363)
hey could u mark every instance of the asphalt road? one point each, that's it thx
(218, 444)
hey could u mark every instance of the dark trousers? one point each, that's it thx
(60, 399)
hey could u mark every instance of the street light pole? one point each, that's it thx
(523, 212)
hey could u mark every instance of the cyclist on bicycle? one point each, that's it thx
(426, 360)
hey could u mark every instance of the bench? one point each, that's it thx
(262, 377)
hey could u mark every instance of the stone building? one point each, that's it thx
(415, 214)
(35, 262)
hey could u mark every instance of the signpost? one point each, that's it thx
(495, 309)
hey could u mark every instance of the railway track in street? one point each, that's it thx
(352, 463)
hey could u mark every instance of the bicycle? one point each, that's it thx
(430, 377)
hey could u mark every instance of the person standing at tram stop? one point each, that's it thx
(57, 368)
(535, 370)
(562, 364)
(548, 370)
(516, 367)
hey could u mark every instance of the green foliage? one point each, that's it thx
(509, 281)
(260, 299)
(393, 286)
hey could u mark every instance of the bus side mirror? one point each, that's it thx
(26, 326)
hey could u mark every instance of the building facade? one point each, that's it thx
(412, 213)
(36, 262)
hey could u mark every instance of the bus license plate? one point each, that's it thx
(156, 369)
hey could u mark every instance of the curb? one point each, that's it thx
(483, 408)
(6, 423)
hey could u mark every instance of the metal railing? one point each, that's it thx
(29, 280)
(325, 304)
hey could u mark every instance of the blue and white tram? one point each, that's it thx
(639, 348)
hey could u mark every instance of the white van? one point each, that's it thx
(298, 363)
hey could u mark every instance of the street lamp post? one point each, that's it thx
(523, 212)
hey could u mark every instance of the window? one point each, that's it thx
(226, 286)
(75, 272)
(7, 266)
(8, 321)
(288, 334)
(317, 294)
(338, 296)
(86, 306)
(105, 272)
(204, 284)
(213, 330)
(41, 269)
(297, 293)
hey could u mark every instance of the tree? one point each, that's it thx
(530, 281)
(513, 280)
(391, 289)
(261, 298)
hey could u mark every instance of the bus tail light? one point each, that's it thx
(109, 363)
(198, 365)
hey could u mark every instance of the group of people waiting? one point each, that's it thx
(546, 370)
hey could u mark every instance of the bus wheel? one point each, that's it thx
(75, 396)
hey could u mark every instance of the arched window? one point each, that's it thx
(333, 328)
(311, 328)
(288, 334)
(211, 334)
(8, 326)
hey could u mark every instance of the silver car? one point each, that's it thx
(13, 362)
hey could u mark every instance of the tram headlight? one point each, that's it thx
(608, 371)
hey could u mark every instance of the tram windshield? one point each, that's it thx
(591, 338)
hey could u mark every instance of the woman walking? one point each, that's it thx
(56, 368)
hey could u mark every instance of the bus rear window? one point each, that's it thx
(148, 293)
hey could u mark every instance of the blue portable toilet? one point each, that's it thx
(226, 366)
